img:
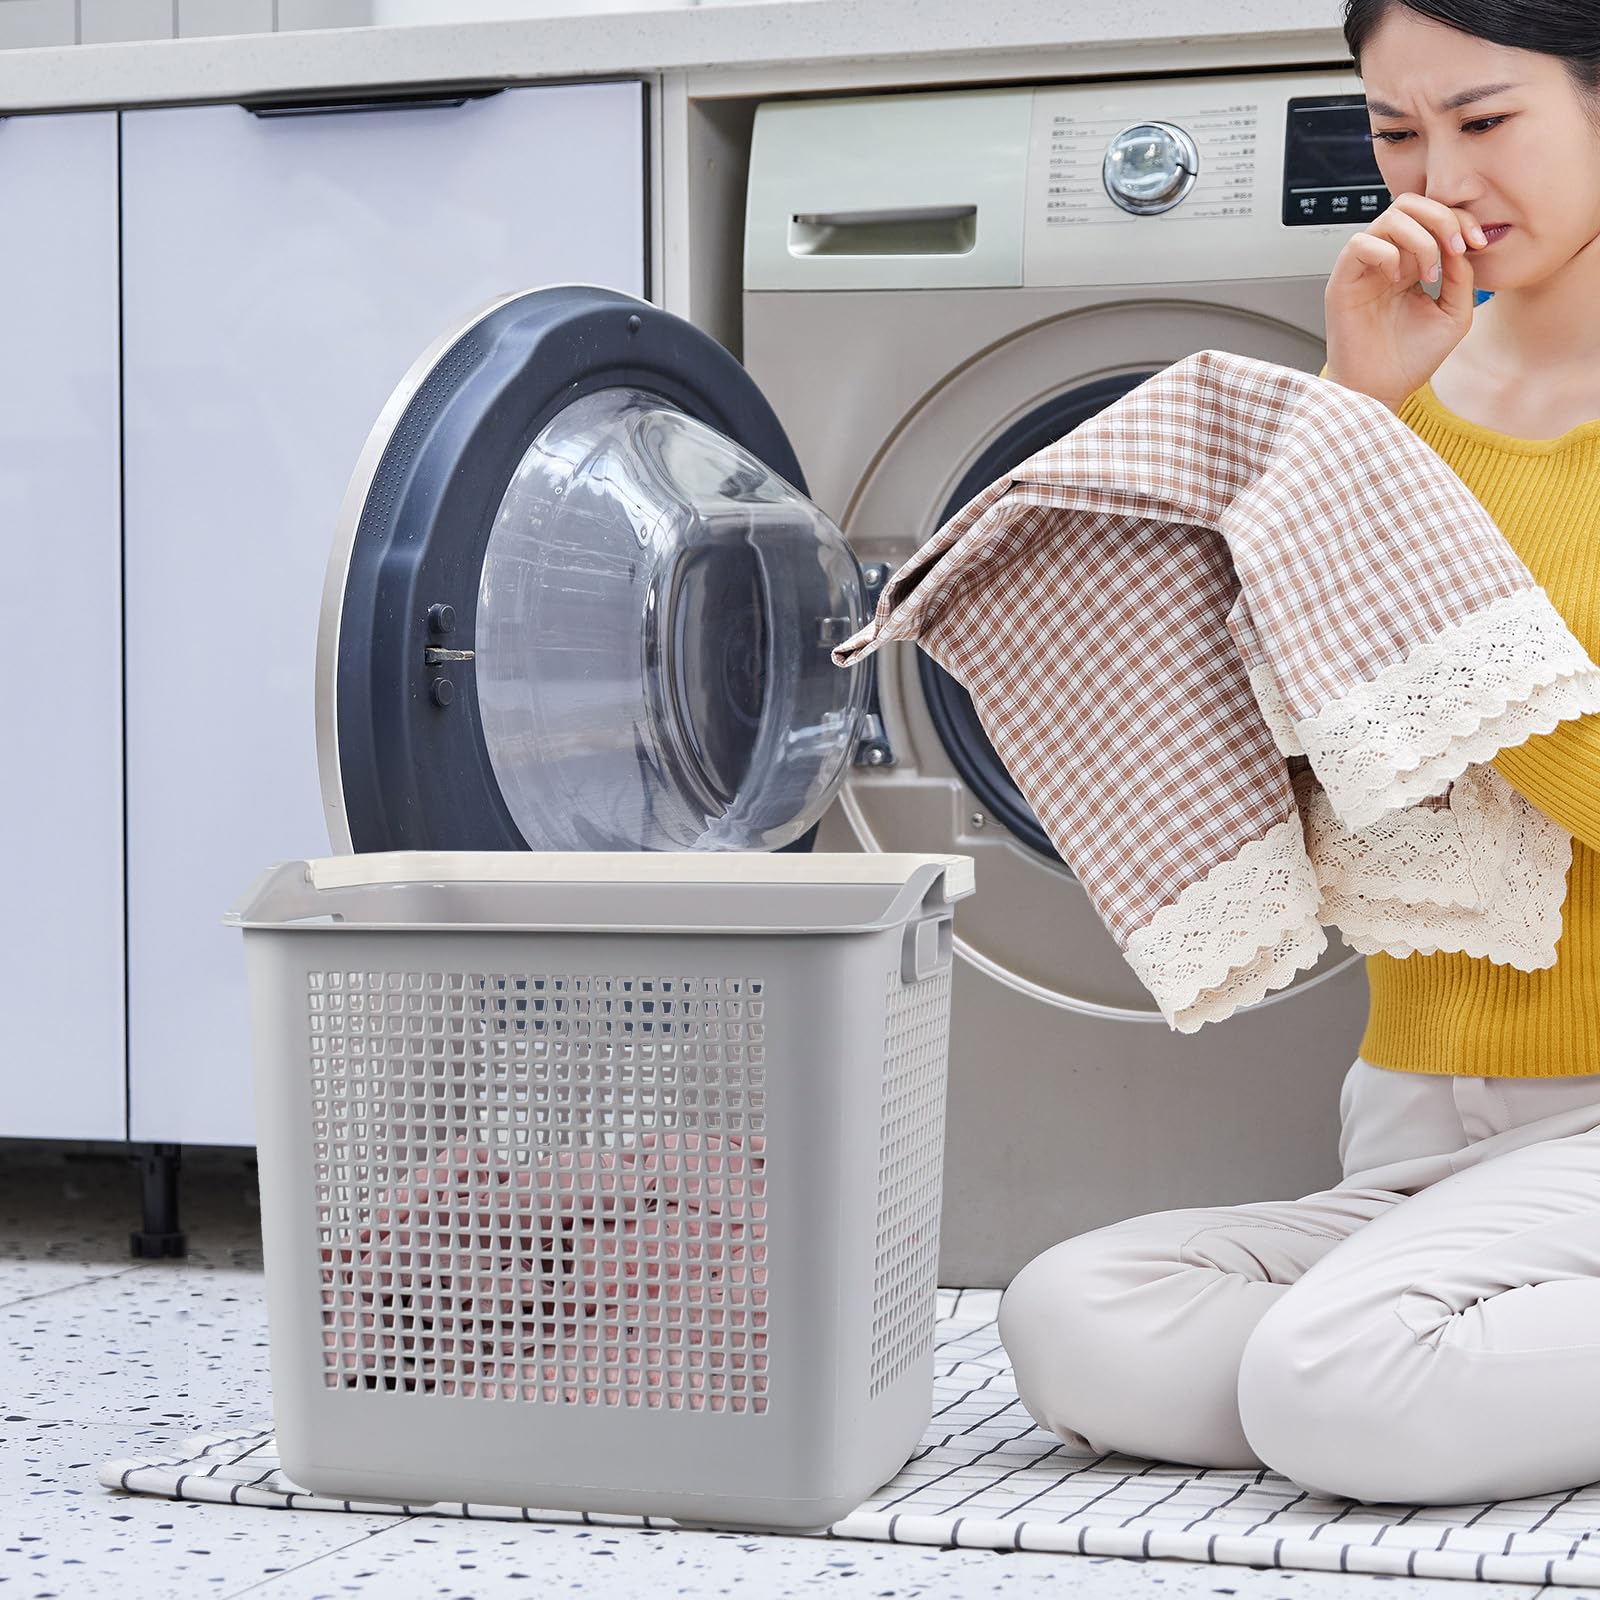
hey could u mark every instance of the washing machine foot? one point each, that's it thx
(158, 1173)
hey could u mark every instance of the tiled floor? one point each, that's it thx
(104, 1357)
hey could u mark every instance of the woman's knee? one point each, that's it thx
(1043, 1324)
(1351, 1405)
(1119, 1342)
(1068, 1329)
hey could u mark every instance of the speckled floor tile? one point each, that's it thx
(135, 1358)
(163, 1342)
(76, 1538)
(66, 1536)
(423, 1560)
(27, 1280)
(420, 1560)
(56, 1222)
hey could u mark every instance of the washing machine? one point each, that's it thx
(936, 285)
(590, 570)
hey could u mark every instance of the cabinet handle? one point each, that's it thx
(321, 108)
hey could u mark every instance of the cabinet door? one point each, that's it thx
(280, 275)
(61, 971)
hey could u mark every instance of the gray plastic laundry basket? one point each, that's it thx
(602, 1181)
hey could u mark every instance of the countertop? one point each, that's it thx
(923, 34)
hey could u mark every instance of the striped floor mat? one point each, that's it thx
(987, 1477)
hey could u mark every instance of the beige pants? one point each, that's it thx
(1427, 1332)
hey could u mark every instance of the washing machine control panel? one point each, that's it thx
(1095, 158)
(1176, 180)
(1329, 171)
(1194, 179)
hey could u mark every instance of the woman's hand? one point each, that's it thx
(1386, 334)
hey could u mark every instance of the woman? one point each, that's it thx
(1428, 1331)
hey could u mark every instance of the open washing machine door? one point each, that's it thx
(578, 600)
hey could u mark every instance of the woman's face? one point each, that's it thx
(1525, 155)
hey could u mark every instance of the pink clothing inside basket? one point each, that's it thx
(634, 1275)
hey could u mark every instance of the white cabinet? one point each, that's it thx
(61, 943)
(280, 274)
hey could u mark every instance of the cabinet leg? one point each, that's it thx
(158, 1173)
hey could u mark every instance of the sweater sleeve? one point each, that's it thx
(1559, 772)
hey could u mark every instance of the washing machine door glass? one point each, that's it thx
(653, 630)
(578, 600)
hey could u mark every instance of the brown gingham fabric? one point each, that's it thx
(1105, 602)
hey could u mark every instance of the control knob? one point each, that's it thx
(1150, 167)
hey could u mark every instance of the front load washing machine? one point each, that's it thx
(936, 286)
(579, 597)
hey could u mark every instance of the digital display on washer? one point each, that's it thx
(1330, 173)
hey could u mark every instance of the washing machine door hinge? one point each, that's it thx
(872, 747)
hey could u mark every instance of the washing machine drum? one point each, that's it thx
(579, 600)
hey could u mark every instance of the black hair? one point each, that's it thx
(1569, 29)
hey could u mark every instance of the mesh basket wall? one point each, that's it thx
(543, 1187)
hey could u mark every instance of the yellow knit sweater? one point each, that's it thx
(1453, 1013)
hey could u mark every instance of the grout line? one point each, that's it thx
(310, 1561)
(68, 1288)
(186, 1267)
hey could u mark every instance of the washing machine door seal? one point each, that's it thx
(950, 707)
(578, 599)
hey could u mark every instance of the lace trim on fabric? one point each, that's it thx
(1229, 939)
(1509, 671)
(1377, 907)
(1454, 855)
(1484, 873)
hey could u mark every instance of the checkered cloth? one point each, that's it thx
(1246, 644)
